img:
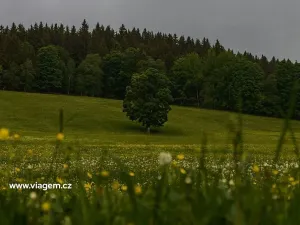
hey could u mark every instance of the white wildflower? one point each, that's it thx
(275, 197)
(67, 221)
(52, 195)
(188, 180)
(33, 195)
(164, 158)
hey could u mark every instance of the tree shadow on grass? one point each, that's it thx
(132, 127)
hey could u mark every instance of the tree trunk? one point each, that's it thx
(69, 85)
(198, 98)
(148, 129)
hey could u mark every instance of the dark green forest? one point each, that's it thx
(100, 62)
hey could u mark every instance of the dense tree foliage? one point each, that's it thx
(186, 76)
(147, 98)
(49, 68)
(89, 74)
(101, 61)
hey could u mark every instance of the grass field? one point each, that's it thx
(101, 121)
(96, 131)
(94, 125)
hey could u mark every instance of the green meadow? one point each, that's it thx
(101, 121)
(187, 172)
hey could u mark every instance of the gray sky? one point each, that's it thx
(269, 27)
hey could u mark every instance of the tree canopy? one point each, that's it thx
(101, 62)
(147, 98)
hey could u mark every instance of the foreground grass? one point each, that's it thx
(147, 185)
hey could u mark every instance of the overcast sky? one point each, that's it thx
(269, 27)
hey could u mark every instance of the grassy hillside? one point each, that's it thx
(101, 121)
(208, 186)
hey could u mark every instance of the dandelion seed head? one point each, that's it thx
(164, 158)
(188, 180)
(33, 195)
(231, 182)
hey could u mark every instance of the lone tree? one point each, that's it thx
(147, 98)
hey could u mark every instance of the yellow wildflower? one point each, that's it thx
(60, 136)
(19, 180)
(295, 182)
(4, 134)
(87, 186)
(180, 157)
(46, 206)
(104, 173)
(66, 166)
(16, 136)
(275, 172)
(115, 185)
(255, 169)
(124, 188)
(29, 152)
(18, 170)
(291, 179)
(174, 163)
(131, 174)
(182, 171)
(89, 175)
(137, 189)
(59, 180)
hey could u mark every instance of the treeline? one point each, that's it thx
(101, 62)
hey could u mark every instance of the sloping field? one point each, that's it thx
(101, 121)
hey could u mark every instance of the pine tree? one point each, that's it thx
(84, 40)
(27, 76)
